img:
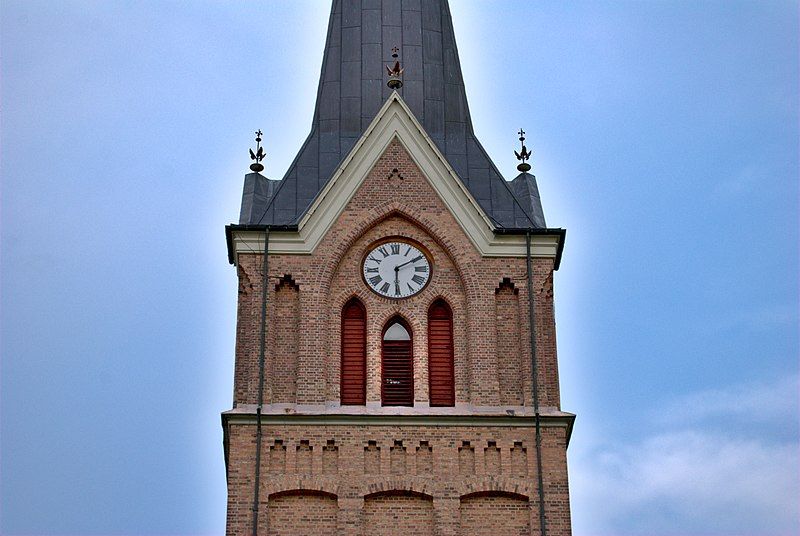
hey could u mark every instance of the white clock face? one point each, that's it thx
(396, 269)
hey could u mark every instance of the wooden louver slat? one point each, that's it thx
(354, 354)
(397, 373)
(440, 355)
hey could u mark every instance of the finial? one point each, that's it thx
(395, 72)
(259, 155)
(524, 155)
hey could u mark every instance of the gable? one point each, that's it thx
(395, 121)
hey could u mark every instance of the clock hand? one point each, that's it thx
(415, 259)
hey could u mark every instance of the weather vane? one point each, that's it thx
(259, 155)
(524, 155)
(394, 72)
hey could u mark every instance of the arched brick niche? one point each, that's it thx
(509, 353)
(398, 513)
(285, 341)
(302, 512)
(494, 513)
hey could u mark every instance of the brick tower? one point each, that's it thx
(387, 342)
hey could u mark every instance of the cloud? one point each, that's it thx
(747, 180)
(687, 479)
(758, 319)
(757, 402)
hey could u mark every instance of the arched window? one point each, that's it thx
(354, 354)
(440, 355)
(397, 365)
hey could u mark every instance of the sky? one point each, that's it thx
(665, 139)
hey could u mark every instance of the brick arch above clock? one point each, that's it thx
(455, 247)
(347, 282)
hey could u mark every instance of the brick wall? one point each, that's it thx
(364, 485)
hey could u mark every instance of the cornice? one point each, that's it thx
(561, 420)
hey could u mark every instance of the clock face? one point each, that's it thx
(396, 269)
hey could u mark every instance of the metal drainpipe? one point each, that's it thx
(261, 349)
(535, 375)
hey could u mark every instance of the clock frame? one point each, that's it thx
(378, 252)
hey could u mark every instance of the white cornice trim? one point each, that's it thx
(292, 243)
(394, 121)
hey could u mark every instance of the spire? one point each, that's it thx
(367, 38)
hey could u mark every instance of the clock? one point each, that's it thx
(396, 269)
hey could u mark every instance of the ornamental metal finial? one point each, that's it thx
(259, 155)
(524, 155)
(395, 72)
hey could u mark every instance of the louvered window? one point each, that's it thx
(397, 365)
(354, 354)
(440, 355)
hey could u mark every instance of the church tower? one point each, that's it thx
(396, 367)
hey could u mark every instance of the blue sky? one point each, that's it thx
(665, 138)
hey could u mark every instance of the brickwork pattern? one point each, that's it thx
(367, 456)
(398, 514)
(509, 356)
(495, 515)
(303, 514)
(285, 338)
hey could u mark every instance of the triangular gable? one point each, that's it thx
(396, 121)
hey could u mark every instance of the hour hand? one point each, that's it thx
(396, 280)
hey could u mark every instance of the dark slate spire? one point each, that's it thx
(352, 89)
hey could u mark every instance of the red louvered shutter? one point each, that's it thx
(440, 355)
(397, 371)
(354, 354)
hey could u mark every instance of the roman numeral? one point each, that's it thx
(418, 279)
(397, 289)
(410, 287)
(419, 268)
(395, 249)
(407, 252)
(372, 270)
(382, 249)
(373, 259)
(375, 280)
(415, 259)
(385, 288)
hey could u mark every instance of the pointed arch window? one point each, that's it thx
(440, 355)
(354, 354)
(397, 364)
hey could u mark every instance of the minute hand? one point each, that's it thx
(415, 259)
